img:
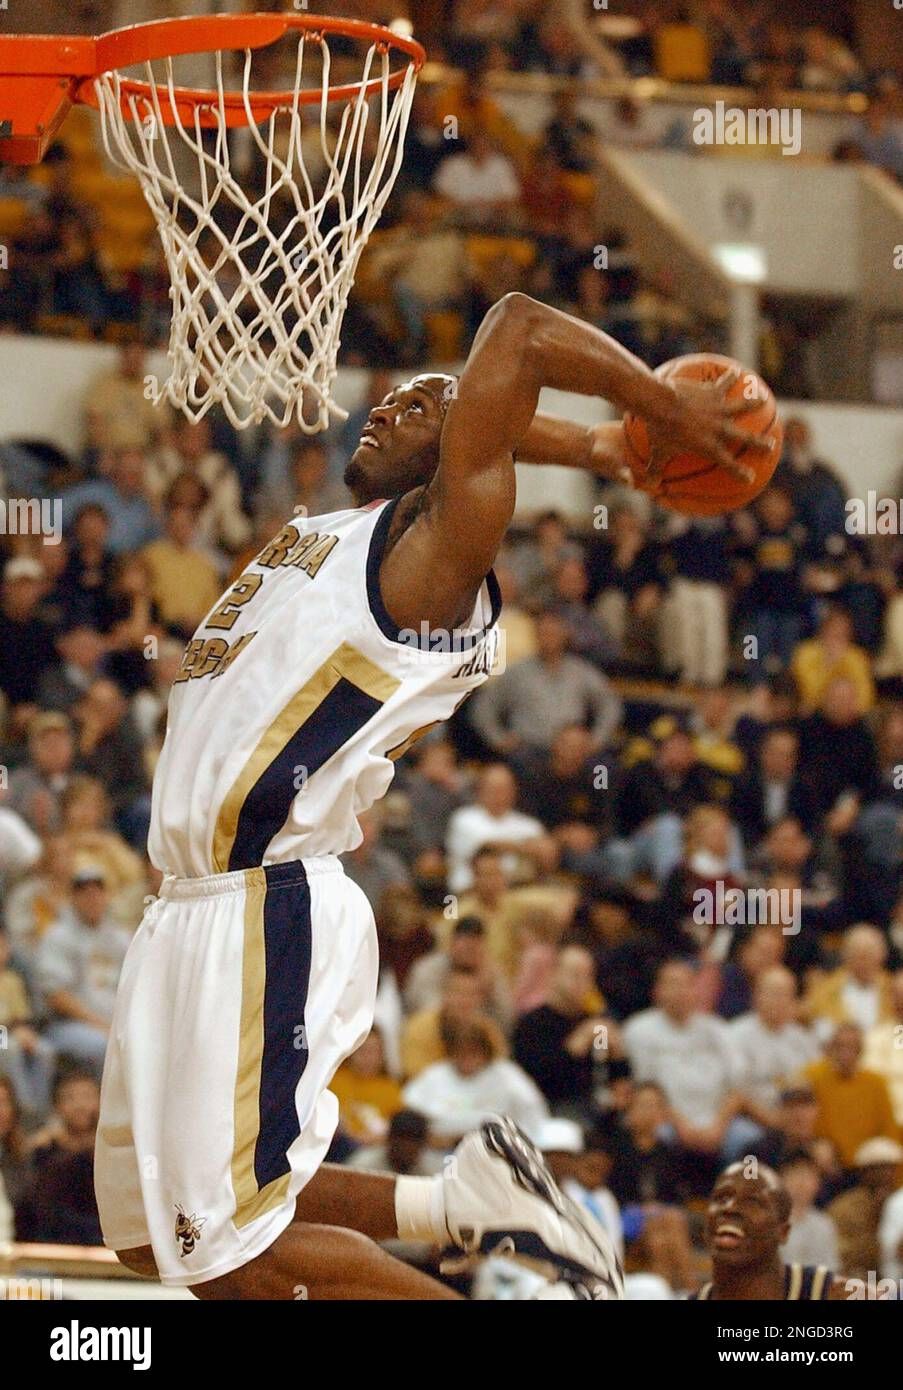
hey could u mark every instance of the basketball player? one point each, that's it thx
(747, 1221)
(254, 974)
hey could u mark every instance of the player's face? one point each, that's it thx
(399, 448)
(743, 1223)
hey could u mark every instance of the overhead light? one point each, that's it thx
(742, 261)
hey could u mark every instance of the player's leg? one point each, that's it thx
(317, 1262)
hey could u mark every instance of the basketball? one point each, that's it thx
(691, 483)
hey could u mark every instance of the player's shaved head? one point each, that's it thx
(399, 445)
(748, 1215)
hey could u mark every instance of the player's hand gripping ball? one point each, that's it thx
(691, 483)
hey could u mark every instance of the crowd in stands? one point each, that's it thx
(685, 710)
(482, 207)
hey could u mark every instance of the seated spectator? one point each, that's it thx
(185, 582)
(693, 1058)
(694, 614)
(221, 521)
(813, 1235)
(78, 965)
(118, 414)
(517, 626)
(305, 490)
(82, 588)
(368, 1096)
(649, 801)
(857, 1213)
(795, 1129)
(26, 640)
(473, 1084)
(109, 748)
(59, 1206)
(648, 1168)
(581, 1164)
(771, 790)
(566, 792)
(480, 183)
(36, 900)
(757, 950)
(424, 262)
(36, 788)
(123, 496)
(587, 635)
(523, 709)
(371, 865)
(91, 842)
(710, 849)
(148, 705)
(405, 1150)
(467, 950)
(879, 825)
(883, 1051)
(15, 1159)
(134, 624)
(771, 1046)
(535, 560)
(772, 571)
(625, 957)
(559, 1042)
(837, 751)
(82, 661)
(854, 1104)
(858, 991)
(831, 656)
(435, 787)
(493, 820)
(25, 1057)
(425, 1034)
(627, 585)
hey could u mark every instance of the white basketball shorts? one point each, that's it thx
(240, 995)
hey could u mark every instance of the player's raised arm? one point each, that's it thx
(434, 571)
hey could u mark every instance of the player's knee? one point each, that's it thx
(140, 1260)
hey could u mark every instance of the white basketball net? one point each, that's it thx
(256, 321)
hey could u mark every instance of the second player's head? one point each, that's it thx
(399, 446)
(748, 1216)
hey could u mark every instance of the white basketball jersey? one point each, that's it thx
(295, 697)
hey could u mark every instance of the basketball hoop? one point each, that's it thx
(260, 279)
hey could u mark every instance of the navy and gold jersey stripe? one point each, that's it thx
(337, 701)
(272, 1052)
(802, 1283)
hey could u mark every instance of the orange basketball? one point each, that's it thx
(691, 483)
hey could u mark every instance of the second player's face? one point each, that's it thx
(742, 1223)
(399, 446)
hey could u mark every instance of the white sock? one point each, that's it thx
(420, 1209)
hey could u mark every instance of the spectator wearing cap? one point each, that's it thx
(857, 1213)
(123, 497)
(405, 1150)
(859, 990)
(466, 950)
(493, 819)
(26, 640)
(89, 839)
(854, 1104)
(36, 788)
(471, 1085)
(425, 1036)
(523, 709)
(559, 1042)
(650, 800)
(581, 1163)
(813, 1235)
(884, 1048)
(78, 965)
(81, 650)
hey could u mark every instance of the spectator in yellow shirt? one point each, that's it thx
(368, 1096)
(832, 655)
(853, 1104)
(184, 582)
(426, 1033)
